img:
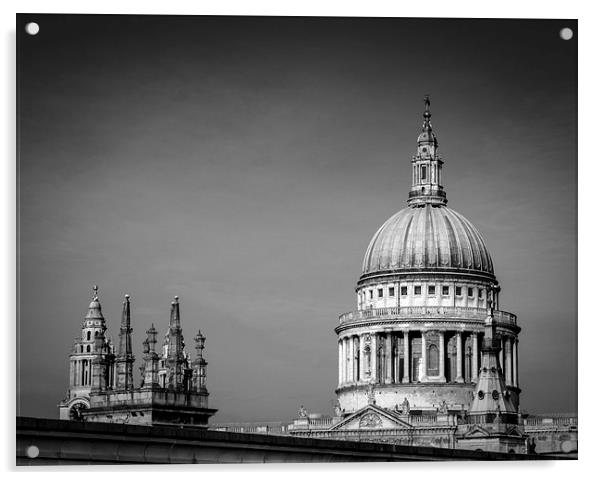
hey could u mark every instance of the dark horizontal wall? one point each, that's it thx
(67, 442)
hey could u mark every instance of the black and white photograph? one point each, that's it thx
(295, 239)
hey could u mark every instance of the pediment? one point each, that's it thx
(514, 432)
(371, 417)
(477, 431)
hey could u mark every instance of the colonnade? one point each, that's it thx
(81, 372)
(413, 356)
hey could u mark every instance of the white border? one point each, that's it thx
(590, 218)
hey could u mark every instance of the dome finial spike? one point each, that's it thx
(95, 289)
(426, 125)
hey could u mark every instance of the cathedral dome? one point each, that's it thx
(426, 239)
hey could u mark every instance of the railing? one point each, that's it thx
(273, 428)
(549, 420)
(429, 192)
(468, 313)
(428, 419)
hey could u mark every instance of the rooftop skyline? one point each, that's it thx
(245, 163)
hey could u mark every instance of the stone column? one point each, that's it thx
(347, 362)
(342, 360)
(459, 358)
(362, 357)
(508, 359)
(396, 356)
(340, 343)
(388, 352)
(422, 374)
(373, 353)
(353, 369)
(501, 356)
(344, 363)
(76, 367)
(406, 356)
(515, 362)
(475, 357)
(350, 359)
(442, 355)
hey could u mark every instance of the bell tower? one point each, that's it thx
(89, 349)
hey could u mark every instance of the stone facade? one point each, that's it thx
(172, 390)
(59, 442)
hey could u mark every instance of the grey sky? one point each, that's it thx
(244, 164)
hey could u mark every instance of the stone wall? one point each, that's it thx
(61, 442)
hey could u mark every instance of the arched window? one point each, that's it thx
(433, 360)
(88, 348)
(88, 335)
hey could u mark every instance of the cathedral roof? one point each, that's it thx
(427, 238)
(427, 235)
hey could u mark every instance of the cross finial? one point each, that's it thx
(427, 102)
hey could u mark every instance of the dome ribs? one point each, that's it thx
(427, 238)
(388, 242)
(367, 267)
(396, 243)
(404, 248)
(444, 240)
(431, 241)
(467, 250)
(454, 251)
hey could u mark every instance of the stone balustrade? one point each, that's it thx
(422, 312)
(564, 420)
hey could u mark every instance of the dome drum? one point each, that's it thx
(438, 317)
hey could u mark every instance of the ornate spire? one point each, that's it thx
(199, 374)
(427, 166)
(174, 319)
(150, 370)
(125, 331)
(491, 401)
(125, 358)
(175, 348)
(199, 341)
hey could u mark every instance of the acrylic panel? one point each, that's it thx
(295, 239)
